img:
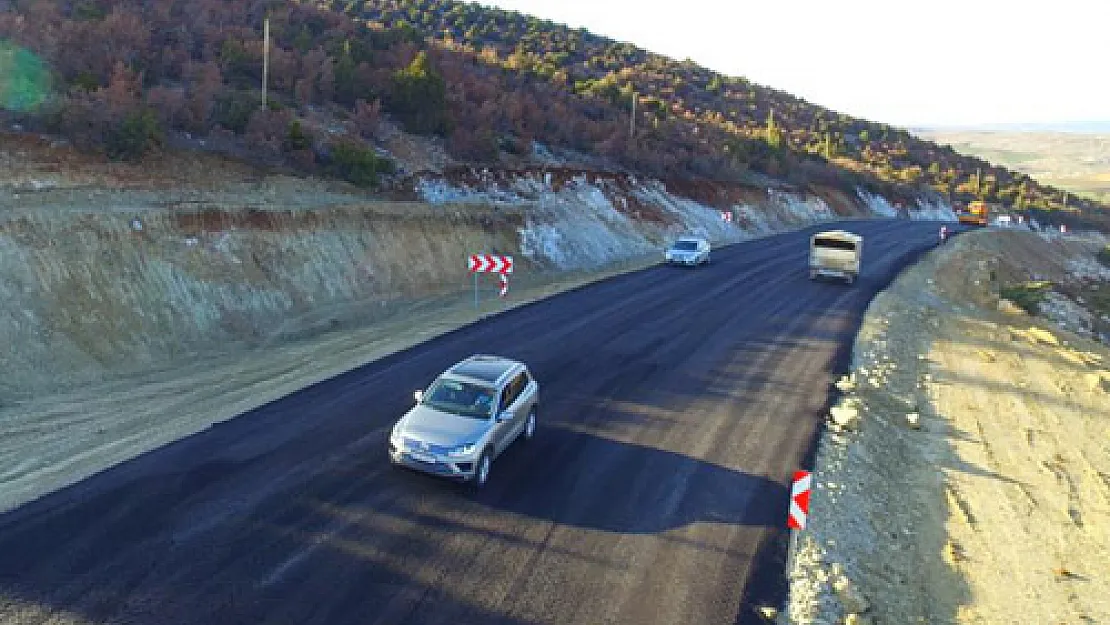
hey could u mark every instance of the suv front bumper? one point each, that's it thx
(688, 261)
(461, 469)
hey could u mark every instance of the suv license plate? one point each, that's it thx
(423, 458)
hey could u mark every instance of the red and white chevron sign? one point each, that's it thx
(504, 284)
(799, 500)
(490, 263)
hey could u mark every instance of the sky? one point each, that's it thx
(930, 63)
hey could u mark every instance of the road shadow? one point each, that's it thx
(626, 488)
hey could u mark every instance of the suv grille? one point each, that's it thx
(411, 444)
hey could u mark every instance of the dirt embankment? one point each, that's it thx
(965, 475)
(108, 269)
(129, 290)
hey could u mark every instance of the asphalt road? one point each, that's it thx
(675, 405)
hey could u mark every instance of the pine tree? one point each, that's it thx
(419, 97)
(774, 133)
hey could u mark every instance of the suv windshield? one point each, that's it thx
(685, 246)
(836, 244)
(461, 398)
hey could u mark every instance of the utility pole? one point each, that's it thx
(265, 57)
(632, 120)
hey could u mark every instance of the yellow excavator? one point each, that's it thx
(975, 214)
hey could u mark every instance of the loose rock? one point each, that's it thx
(850, 597)
(846, 417)
(913, 420)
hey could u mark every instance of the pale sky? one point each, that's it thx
(924, 63)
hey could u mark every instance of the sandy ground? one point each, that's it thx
(965, 475)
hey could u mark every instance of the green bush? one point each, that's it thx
(357, 164)
(1104, 256)
(419, 98)
(1027, 295)
(134, 136)
(296, 138)
(85, 81)
(233, 110)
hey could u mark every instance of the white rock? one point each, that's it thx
(913, 419)
(845, 416)
(850, 597)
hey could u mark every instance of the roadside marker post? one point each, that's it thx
(799, 511)
(490, 263)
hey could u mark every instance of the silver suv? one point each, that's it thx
(466, 418)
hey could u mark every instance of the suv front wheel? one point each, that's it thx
(481, 470)
(530, 425)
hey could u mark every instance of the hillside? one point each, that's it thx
(487, 86)
(1078, 162)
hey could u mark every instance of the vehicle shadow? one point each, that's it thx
(602, 484)
(357, 543)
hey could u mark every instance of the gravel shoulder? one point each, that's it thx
(965, 473)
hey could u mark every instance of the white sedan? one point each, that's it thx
(688, 251)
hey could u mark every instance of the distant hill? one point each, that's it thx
(1076, 161)
(491, 83)
(1089, 128)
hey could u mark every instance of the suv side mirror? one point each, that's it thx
(418, 396)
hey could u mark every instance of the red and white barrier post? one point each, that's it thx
(799, 510)
(490, 263)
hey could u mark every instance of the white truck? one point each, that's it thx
(835, 253)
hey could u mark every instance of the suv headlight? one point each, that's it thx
(462, 450)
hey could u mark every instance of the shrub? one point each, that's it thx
(357, 164)
(134, 136)
(233, 110)
(1027, 295)
(296, 138)
(1104, 256)
(419, 98)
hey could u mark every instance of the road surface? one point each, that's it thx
(675, 405)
